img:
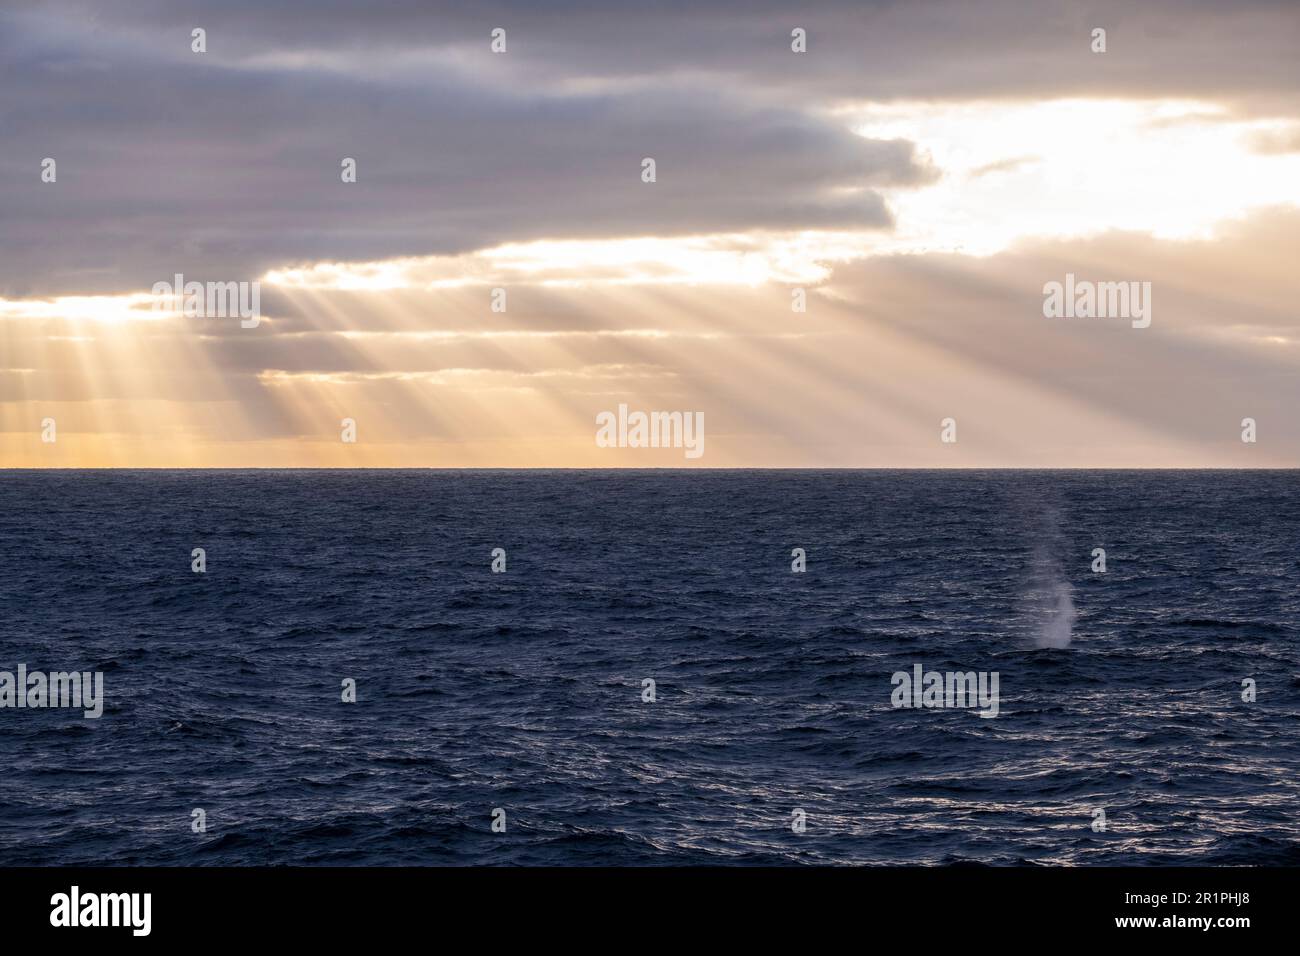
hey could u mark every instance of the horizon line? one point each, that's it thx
(608, 468)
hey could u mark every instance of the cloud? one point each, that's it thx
(225, 164)
(525, 169)
(857, 49)
(889, 346)
(1276, 142)
(1011, 164)
(170, 164)
(1224, 344)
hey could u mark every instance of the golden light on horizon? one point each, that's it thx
(410, 349)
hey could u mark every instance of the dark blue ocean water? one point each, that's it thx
(523, 690)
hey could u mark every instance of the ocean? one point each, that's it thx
(1146, 714)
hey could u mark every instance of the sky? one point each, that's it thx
(842, 260)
